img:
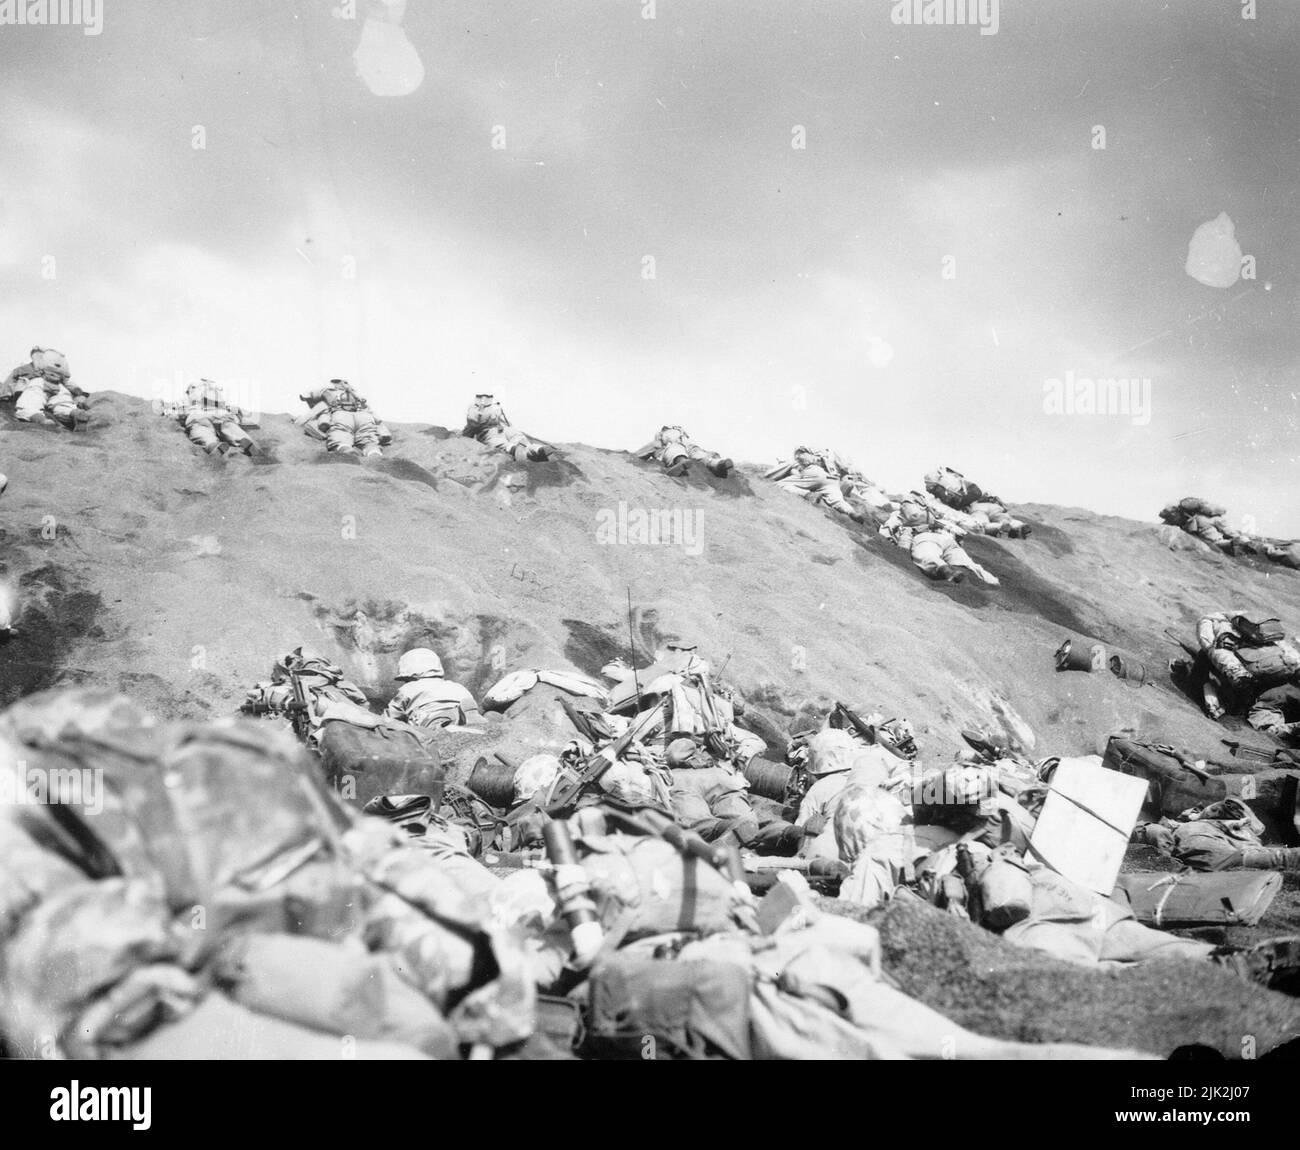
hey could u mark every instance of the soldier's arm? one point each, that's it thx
(470, 708)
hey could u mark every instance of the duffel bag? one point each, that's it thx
(362, 764)
(1172, 788)
(1227, 898)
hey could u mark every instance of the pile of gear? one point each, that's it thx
(1204, 521)
(195, 891)
(970, 838)
(180, 891)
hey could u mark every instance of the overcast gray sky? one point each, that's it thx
(902, 287)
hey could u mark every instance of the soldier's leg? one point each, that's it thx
(927, 554)
(1129, 941)
(341, 435)
(828, 492)
(732, 809)
(715, 463)
(1210, 696)
(367, 435)
(62, 409)
(1230, 669)
(202, 434)
(674, 457)
(237, 437)
(1206, 848)
(30, 407)
(797, 485)
(1271, 858)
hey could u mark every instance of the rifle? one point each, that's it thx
(845, 715)
(719, 743)
(299, 707)
(563, 799)
(1192, 652)
(1261, 754)
(722, 857)
(579, 720)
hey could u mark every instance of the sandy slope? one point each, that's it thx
(141, 562)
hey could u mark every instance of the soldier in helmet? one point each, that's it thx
(673, 448)
(977, 509)
(342, 417)
(487, 422)
(44, 391)
(932, 541)
(819, 477)
(427, 698)
(211, 423)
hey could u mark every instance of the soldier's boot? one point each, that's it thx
(677, 467)
(719, 466)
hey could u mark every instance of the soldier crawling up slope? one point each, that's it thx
(486, 421)
(979, 511)
(343, 419)
(931, 534)
(1204, 521)
(211, 423)
(673, 448)
(44, 391)
(819, 477)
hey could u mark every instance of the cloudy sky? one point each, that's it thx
(605, 219)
